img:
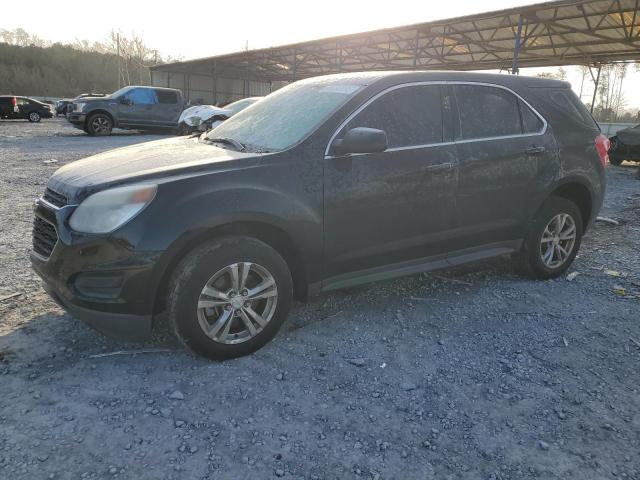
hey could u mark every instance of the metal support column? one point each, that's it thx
(516, 48)
(596, 81)
(415, 49)
(295, 64)
(215, 82)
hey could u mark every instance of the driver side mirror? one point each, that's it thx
(126, 101)
(361, 140)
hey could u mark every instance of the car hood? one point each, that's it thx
(145, 161)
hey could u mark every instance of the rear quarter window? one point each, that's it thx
(566, 109)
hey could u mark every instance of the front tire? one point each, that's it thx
(229, 297)
(34, 117)
(553, 240)
(99, 124)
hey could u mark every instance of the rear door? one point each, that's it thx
(168, 107)
(141, 108)
(398, 205)
(506, 157)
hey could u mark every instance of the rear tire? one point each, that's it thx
(34, 117)
(212, 310)
(553, 240)
(99, 124)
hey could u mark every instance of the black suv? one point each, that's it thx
(327, 183)
(12, 107)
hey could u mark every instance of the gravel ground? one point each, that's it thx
(468, 373)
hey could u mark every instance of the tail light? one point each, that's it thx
(602, 146)
(14, 101)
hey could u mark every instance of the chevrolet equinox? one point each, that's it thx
(327, 183)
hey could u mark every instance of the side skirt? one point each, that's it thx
(425, 264)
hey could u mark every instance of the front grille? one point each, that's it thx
(44, 237)
(54, 198)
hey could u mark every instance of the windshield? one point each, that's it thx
(287, 116)
(117, 93)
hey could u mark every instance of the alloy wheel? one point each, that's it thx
(237, 303)
(34, 117)
(558, 240)
(100, 124)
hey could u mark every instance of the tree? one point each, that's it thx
(610, 99)
(32, 66)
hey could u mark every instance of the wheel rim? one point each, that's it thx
(237, 303)
(100, 124)
(34, 117)
(558, 240)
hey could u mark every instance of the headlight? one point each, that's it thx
(80, 106)
(105, 211)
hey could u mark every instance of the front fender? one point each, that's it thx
(179, 220)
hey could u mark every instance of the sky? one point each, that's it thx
(199, 29)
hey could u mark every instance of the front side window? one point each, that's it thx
(141, 96)
(487, 112)
(410, 116)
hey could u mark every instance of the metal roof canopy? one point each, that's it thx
(587, 32)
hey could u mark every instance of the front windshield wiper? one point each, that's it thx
(227, 141)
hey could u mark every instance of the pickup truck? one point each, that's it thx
(132, 107)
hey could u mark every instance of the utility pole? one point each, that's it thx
(118, 49)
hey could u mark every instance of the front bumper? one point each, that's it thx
(100, 280)
(77, 119)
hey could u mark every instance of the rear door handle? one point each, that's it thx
(535, 150)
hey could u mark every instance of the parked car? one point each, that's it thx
(136, 108)
(201, 118)
(61, 107)
(327, 183)
(625, 145)
(13, 107)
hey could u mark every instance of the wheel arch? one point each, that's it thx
(579, 193)
(272, 235)
(100, 110)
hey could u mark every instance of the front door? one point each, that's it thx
(383, 209)
(138, 107)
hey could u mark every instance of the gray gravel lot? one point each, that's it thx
(468, 373)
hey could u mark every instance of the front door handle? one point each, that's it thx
(535, 150)
(440, 166)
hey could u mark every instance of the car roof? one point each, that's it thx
(399, 77)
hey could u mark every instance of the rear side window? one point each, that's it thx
(531, 123)
(410, 116)
(487, 112)
(165, 96)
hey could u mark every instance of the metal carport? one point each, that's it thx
(587, 32)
